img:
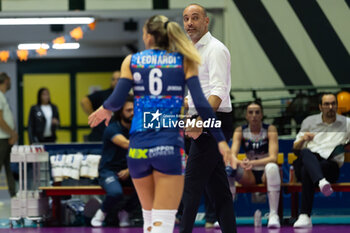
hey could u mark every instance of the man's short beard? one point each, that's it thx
(126, 120)
(331, 113)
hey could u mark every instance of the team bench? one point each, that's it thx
(261, 187)
(294, 188)
(56, 192)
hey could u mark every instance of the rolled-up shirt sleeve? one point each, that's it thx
(299, 135)
(305, 127)
(219, 76)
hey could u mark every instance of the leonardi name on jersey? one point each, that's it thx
(156, 59)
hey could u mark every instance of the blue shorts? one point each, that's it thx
(169, 160)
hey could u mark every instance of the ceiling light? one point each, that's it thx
(66, 46)
(33, 46)
(46, 20)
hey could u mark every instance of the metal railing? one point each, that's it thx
(274, 110)
(291, 89)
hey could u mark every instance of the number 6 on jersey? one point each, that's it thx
(155, 81)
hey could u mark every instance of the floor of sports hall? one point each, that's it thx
(240, 229)
(322, 224)
(245, 225)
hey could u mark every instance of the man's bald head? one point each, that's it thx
(202, 9)
(195, 21)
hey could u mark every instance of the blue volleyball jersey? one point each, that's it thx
(158, 84)
(256, 146)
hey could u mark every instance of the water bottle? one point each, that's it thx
(257, 218)
(291, 174)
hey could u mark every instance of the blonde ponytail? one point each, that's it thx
(170, 36)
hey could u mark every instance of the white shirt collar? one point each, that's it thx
(320, 121)
(204, 40)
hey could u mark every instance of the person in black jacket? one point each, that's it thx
(43, 119)
(92, 102)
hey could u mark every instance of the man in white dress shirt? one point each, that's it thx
(8, 135)
(320, 145)
(205, 169)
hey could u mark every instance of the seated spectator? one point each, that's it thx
(43, 119)
(260, 142)
(113, 170)
(93, 101)
(319, 146)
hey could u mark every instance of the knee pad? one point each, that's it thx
(147, 220)
(163, 221)
(273, 177)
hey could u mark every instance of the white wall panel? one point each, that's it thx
(250, 67)
(300, 43)
(180, 4)
(34, 5)
(338, 15)
(118, 4)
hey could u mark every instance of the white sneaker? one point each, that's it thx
(304, 221)
(325, 187)
(274, 221)
(216, 225)
(97, 220)
(123, 218)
